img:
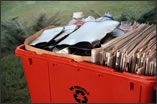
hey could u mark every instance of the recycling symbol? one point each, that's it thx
(80, 94)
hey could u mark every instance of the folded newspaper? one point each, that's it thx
(133, 52)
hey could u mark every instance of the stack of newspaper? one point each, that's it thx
(133, 52)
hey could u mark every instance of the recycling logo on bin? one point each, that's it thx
(80, 94)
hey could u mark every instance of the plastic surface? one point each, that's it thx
(53, 79)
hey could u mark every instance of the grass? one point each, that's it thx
(13, 81)
(29, 10)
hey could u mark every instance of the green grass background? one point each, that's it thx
(29, 10)
(13, 83)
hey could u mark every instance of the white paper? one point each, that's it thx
(90, 31)
(47, 35)
(67, 30)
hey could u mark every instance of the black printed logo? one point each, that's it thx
(80, 94)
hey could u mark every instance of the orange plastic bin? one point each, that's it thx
(53, 79)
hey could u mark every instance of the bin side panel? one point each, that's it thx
(147, 94)
(60, 81)
(36, 72)
(73, 82)
(78, 85)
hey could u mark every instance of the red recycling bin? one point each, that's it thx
(53, 79)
